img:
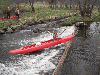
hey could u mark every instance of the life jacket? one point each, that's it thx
(55, 36)
(89, 8)
(8, 10)
(16, 11)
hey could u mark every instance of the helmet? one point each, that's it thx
(55, 31)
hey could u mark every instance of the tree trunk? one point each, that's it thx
(33, 9)
(31, 4)
(60, 5)
(82, 11)
(73, 6)
(70, 5)
(99, 9)
(66, 5)
(56, 6)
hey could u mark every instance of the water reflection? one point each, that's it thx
(84, 54)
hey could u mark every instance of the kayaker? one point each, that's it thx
(55, 35)
(17, 12)
(8, 12)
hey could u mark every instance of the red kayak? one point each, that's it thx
(45, 44)
(15, 17)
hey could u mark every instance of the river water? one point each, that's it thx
(83, 57)
(35, 63)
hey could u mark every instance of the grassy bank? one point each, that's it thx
(95, 17)
(43, 12)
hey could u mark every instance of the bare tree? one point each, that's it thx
(86, 7)
(52, 3)
(62, 2)
(31, 4)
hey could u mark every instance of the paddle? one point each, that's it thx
(59, 34)
(62, 32)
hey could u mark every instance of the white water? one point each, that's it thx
(39, 63)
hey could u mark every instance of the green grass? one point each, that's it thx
(26, 8)
(2, 4)
(70, 20)
(45, 13)
(95, 8)
(96, 17)
(41, 12)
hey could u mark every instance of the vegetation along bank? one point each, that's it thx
(41, 11)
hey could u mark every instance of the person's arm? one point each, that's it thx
(18, 11)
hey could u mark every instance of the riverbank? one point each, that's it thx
(43, 14)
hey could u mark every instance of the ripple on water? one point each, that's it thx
(83, 57)
(40, 62)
